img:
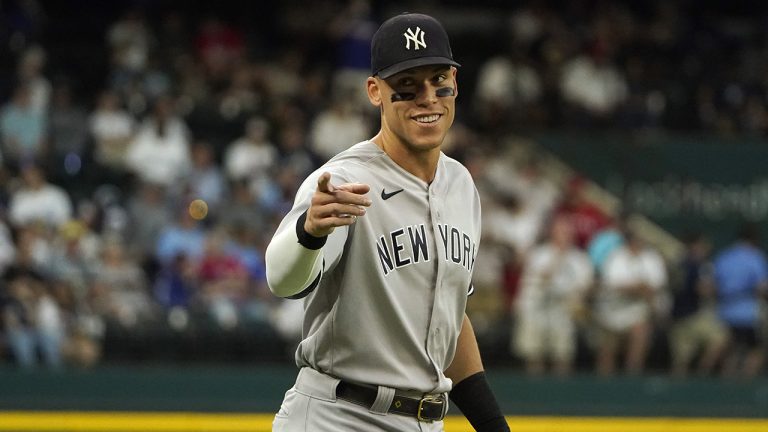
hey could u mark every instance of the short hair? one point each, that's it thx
(749, 232)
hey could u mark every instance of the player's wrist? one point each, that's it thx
(476, 401)
(306, 239)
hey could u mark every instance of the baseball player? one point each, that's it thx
(380, 245)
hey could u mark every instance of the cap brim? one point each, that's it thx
(412, 63)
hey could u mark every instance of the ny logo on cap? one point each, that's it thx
(417, 37)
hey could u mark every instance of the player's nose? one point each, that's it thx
(427, 95)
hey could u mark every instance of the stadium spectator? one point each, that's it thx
(31, 317)
(697, 333)
(627, 301)
(149, 213)
(205, 179)
(23, 130)
(252, 155)
(350, 32)
(241, 99)
(38, 201)
(536, 189)
(34, 240)
(174, 288)
(508, 90)
(741, 274)
(585, 216)
(242, 208)
(340, 123)
(282, 76)
(112, 128)
(485, 310)
(160, 151)
(224, 282)
(220, 46)
(33, 323)
(513, 223)
(120, 292)
(293, 152)
(556, 276)
(246, 245)
(30, 75)
(594, 85)
(130, 39)
(607, 239)
(186, 236)
(71, 262)
(85, 330)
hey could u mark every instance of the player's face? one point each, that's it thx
(418, 105)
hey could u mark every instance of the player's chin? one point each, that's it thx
(427, 137)
(427, 141)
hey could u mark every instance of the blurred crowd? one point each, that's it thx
(142, 203)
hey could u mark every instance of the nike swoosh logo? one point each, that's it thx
(385, 196)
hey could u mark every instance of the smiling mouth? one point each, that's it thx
(427, 119)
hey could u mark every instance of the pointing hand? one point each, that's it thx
(334, 206)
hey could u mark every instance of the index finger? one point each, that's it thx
(356, 188)
(324, 183)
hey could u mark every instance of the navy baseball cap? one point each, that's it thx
(409, 40)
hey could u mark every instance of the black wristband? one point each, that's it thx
(306, 239)
(475, 399)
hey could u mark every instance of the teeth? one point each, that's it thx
(428, 119)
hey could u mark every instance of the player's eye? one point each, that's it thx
(403, 96)
(405, 82)
(439, 78)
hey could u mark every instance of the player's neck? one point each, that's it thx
(421, 163)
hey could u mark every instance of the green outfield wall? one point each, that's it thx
(260, 389)
(682, 182)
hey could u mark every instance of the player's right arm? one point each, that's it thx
(295, 256)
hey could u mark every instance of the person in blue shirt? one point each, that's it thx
(741, 274)
(22, 130)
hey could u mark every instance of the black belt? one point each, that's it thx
(429, 408)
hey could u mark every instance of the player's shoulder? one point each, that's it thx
(456, 174)
(361, 153)
(346, 166)
(454, 167)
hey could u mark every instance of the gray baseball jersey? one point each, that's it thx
(389, 304)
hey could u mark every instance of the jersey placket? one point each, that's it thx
(434, 338)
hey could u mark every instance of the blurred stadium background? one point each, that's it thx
(149, 148)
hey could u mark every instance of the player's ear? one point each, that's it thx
(454, 71)
(374, 91)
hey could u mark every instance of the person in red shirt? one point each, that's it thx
(224, 281)
(586, 217)
(219, 46)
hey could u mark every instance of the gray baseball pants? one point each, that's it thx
(311, 406)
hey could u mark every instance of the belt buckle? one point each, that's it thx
(431, 399)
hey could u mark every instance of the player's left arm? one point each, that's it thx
(471, 392)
